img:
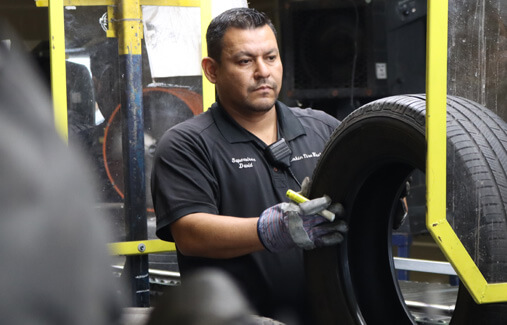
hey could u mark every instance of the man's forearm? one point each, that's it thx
(216, 236)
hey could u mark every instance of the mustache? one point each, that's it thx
(263, 83)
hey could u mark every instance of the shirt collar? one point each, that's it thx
(290, 126)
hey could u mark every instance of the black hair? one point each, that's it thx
(243, 18)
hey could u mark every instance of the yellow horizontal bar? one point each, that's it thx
(44, 3)
(173, 3)
(141, 247)
(77, 3)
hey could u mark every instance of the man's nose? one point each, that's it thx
(262, 69)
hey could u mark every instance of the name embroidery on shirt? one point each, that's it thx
(306, 156)
(246, 162)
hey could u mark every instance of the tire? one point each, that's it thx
(365, 163)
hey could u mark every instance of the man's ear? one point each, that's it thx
(210, 67)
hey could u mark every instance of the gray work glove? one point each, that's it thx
(305, 186)
(287, 225)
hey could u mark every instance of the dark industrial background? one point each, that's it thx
(337, 54)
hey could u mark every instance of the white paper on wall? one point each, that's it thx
(173, 37)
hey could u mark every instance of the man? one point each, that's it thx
(217, 192)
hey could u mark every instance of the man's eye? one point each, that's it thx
(272, 57)
(244, 61)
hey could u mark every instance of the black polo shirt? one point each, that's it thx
(211, 164)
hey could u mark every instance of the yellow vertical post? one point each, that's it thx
(58, 73)
(436, 81)
(208, 89)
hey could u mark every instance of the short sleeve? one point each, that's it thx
(182, 180)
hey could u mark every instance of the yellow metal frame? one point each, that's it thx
(58, 70)
(436, 114)
(57, 45)
(140, 247)
(79, 3)
(436, 221)
(131, 23)
(130, 17)
(208, 89)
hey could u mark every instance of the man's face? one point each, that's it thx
(249, 77)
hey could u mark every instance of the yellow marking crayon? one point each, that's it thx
(298, 198)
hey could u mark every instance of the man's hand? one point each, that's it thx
(287, 225)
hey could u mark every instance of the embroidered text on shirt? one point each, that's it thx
(246, 162)
(306, 156)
